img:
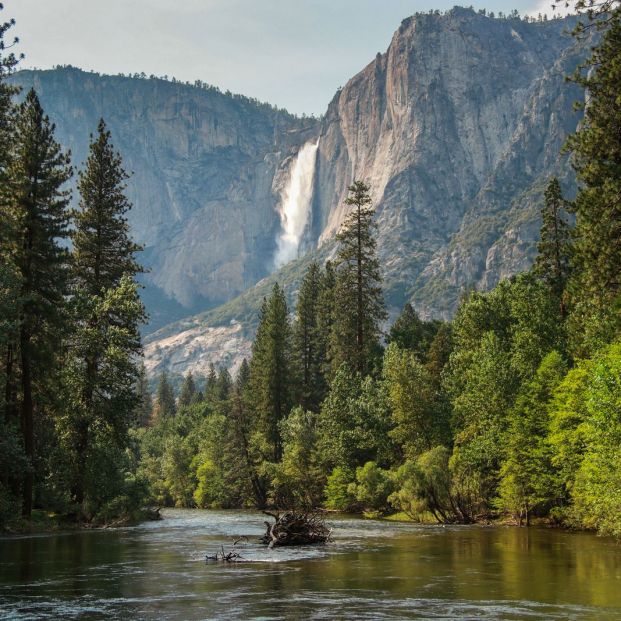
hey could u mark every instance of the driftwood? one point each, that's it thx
(226, 557)
(296, 528)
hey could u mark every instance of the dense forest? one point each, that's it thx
(511, 410)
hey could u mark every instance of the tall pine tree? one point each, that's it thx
(102, 369)
(37, 213)
(597, 159)
(358, 294)
(552, 264)
(270, 385)
(306, 341)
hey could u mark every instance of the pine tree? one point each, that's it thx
(552, 264)
(596, 146)
(306, 337)
(144, 409)
(102, 370)
(211, 384)
(188, 391)
(224, 384)
(325, 323)
(270, 372)
(164, 399)
(358, 295)
(37, 213)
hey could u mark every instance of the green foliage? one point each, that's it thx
(340, 490)
(270, 388)
(165, 405)
(373, 487)
(358, 299)
(527, 481)
(420, 414)
(596, 147)
(354, 423)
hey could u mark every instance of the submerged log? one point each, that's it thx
(296, 528)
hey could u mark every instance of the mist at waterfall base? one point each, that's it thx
(295, 204)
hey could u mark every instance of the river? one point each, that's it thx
(372, 570)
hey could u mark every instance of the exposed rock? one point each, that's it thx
(456, 127)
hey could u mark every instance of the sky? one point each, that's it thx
(290, 53)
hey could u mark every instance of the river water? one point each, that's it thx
(372, 570)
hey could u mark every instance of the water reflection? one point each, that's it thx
(373, 570)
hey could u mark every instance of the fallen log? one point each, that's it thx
(296, 528)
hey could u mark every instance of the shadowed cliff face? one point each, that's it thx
(457, 128)
(203, 166)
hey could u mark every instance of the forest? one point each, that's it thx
(510, 411)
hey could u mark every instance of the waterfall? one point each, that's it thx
(295, 202)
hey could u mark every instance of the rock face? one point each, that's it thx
(457, 128)
(203, 164)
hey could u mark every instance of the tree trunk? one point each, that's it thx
(27, 421)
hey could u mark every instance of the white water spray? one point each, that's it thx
(295, 202)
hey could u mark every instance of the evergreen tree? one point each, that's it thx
(144, 409)
(597, 159)
(359, 305)
(325, 322)
(270, 372)
(164, 399)
(224, 385)
(102, 369)
(306, 339)
(211, 383)
(552, 264)
(188, 391)
(410, 332)
(526, 474)
(36, 211)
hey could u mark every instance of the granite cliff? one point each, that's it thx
(457, 128)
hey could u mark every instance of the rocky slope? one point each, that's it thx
(457, 128)
(203, 165)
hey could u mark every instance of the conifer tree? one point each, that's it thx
(225, 383)
(211, 383)
(188, 391)
(144, 409)
(37, 212)
(325, 322)
(358, 294)
(270, 372)
(597, 159)
(306, 339)
(102, 369)
(165, 398)
(552, 264)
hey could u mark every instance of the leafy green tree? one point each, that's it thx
(101, 371)
(37, 211)
(165, 398)
(526, 483)
(552, 264)
(353, 423)
(340, 490)
(359, 303)
(306, 341)
(187, 394)
(270, 384)
(420, 416)
(299, 481)
(373, 487)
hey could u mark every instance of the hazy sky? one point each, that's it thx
(292, 53)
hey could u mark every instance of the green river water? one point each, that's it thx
(372, 570)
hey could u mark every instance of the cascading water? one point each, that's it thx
(295, 204)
